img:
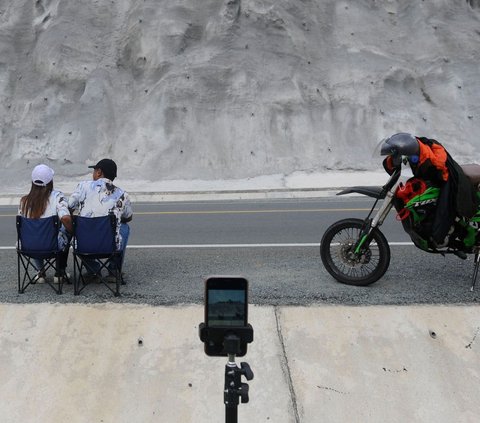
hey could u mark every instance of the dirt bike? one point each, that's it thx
(355, 251)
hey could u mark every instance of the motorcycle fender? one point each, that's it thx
(375, 192)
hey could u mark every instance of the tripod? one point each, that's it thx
(234, 388)
(230, 341)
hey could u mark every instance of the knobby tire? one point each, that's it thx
(335, 251)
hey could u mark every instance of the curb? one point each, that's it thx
(150, 196)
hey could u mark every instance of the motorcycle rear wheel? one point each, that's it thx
(346, 266)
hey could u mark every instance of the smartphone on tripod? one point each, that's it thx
(226, 311)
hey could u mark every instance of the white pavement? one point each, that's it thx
(84, 363)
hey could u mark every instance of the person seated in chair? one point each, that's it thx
(43, 201)
(100, 197)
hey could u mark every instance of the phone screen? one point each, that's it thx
(226, 300)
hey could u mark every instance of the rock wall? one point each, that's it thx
(226, 89)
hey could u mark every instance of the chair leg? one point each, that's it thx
(23, 263)
(52, 264)
(475, 270)
(20, 290)
(60, 275)
(76, 277)
(103, 266)
(118, 280)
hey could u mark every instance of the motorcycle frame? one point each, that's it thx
(386, 193)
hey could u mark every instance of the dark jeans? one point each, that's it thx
(93, 266)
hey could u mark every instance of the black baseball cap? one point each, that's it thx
(108, 167)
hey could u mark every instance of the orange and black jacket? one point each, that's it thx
(463, 195)
(457, 193)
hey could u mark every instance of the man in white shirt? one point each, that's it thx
(100, 197)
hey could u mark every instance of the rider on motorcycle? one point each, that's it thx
(430, 161)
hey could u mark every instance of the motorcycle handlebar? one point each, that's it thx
(393, 178)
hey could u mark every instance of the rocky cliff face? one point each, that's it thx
(225, 89)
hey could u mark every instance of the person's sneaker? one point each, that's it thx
(61, 277)
(39, 278)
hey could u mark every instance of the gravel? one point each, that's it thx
(279, 276)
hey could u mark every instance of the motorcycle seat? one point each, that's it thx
(472, 171)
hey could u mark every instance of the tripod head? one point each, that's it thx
(226, 340)
(234, 388)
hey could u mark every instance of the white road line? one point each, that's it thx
(312, 244)
(160, 246)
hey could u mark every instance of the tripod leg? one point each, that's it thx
(231, 414)
(475, 270)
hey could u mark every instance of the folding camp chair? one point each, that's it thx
(95, 252)
(38, 239)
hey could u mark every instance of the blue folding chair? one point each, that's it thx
(95, 252)
(38, 239)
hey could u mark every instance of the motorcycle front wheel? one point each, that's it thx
(337, 250)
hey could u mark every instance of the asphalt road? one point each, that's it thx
(274, 243)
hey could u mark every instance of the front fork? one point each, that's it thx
(377, 221)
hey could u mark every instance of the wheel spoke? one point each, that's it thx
(347, 238)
